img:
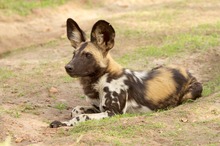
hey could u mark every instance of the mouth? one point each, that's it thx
(75, 75)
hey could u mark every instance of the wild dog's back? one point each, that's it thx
(164, 87)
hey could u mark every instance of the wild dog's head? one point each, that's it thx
(89, 57)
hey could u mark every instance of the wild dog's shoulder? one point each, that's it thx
(135, 76)
(111, 82)
(123, 78)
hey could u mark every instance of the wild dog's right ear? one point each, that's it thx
(74, 33)
(103, 35)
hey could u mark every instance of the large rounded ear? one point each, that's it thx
(74, 33)
(103, 35)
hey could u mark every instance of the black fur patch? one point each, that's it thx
(115, 93)
(82, 109)
(179, 79)
(137, 89)
(110, 113)
(83, 46)
(56, 124)
(96, 107)
(90, 111)
(106, 89)
(77, 118)
(153, 73)
(87, 118)
(196, 90)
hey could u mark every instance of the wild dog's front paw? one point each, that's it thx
(56, 124)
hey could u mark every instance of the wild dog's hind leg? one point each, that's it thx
(78, 110)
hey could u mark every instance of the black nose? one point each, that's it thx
(68, 68)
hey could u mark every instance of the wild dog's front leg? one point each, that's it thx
(81, 118)
(112, 103)
(78, 110)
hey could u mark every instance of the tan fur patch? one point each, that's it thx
(112, 66)
(187, 96)
(96, 54)
(183, 71)
(161, 86)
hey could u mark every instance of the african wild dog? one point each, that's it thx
(112, 89)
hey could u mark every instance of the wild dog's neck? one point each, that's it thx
(112, 68)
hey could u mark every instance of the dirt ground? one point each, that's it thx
(34, 82)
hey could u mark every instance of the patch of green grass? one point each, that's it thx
(208, 28)
(27, 107)
(63, 132)
(132, 32)
(13, 113)
(52, 96)
(61, 106)
(198, 39)
(170, 134)
(51, 43)
(83, 97)
(144, 15)
(117, 142)
(117, 126)
(24, 7)
(211, 86)
(6, 73)
(67, 79)
(34, 47)
(21, 94)
(165, 16)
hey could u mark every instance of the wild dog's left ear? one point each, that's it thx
(74, 33)
(103, 35)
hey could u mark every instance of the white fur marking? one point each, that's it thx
(133, 107)
(140, 75)
(116, 85)
(128, 71)
(82, 118)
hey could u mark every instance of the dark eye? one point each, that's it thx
(88, 55)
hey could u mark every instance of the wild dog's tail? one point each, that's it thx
(193, 90)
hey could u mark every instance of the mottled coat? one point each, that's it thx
(111, 89)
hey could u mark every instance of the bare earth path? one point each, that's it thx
(35, 90)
